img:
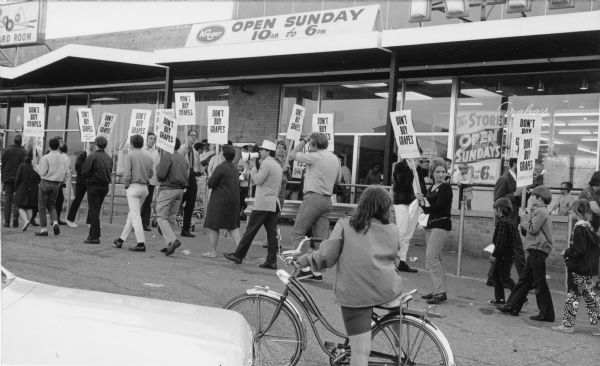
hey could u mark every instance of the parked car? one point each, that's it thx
(43, 324)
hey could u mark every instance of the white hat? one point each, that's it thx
(268, 145)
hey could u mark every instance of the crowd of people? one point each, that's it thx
(374, 248)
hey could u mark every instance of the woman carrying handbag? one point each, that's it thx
(436, 205)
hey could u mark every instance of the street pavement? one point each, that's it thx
(478, 334)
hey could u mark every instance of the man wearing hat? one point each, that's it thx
(266, 207)
(592, 194)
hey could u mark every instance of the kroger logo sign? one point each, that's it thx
(210, 34)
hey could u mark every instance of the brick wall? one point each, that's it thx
(253, 112)
(479, 229)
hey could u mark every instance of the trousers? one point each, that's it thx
(136, 194)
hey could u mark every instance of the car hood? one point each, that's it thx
(44, 324)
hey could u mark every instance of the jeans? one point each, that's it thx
(312, 215)
(436, 238)
(256, 220)
(48, 192)
(519, 261)
(9, 205)
(60, 199)
(80, 189)
(147, 206)
(167, 205)
(96, 194)
(136, 194)
(534, 276)
(406, 226)
(189, 197)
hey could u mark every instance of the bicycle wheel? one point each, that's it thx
(282, 343)
(420, 345)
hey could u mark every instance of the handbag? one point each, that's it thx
(423, 220)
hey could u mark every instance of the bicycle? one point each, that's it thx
(280, 334)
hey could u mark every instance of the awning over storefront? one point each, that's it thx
(491, 45)
(357, 52)
(78, 65)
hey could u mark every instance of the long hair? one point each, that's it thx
(374, 203)
(582, 208)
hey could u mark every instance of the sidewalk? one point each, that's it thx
(478, 334)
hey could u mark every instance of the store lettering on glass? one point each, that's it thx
(33, 121)
(217, 126)
(530, 109)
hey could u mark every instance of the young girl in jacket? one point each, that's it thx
(505, 234)
(582, 263)
(365, 249)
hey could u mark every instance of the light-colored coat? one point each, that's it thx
(268, 182)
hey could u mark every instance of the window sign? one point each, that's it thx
(478, 144)
(185, 109)
(323, 123)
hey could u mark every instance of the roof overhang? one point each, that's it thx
(79, 65)
(284, 57)
(572, 37)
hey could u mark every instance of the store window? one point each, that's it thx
(569, 104)
(3, 121)
(214, 96)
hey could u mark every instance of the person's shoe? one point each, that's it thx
(210, 254)
(174, 245)
(6, 224)
(497, 302)
(118, 242)
(56, 228)
(265, 245)
(268, 265)
(427, 296)
(437, 298)
(187, 234)
(232, 257)
(540, 318)
(159, 230)
(309, 276)
(15, 223)
(597, 331)
(26, 226)
(42, 233)
(164, 250)
(563, 329)
(504, 309)
(92, 241)
(71, 224)
(33, 223)
(61, 222)
(403, 267)
(489, 283)
(140, 247)
(147, 228)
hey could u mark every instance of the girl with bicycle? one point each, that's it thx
(365, 249)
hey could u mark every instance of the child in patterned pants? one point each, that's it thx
(582, 263)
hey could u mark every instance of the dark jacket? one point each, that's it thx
(12, 157)
(97, 169)
(582, 255)
(402, 188)
(78, 164)
(26, 187)
(506, 187)
(505, 235)
(172, 171)
(440, 201)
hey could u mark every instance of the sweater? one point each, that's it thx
(12, 158)
(172, 171)
(366, 263)
(538, 235)
(440, 206)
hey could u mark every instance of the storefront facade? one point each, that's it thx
(463, 82)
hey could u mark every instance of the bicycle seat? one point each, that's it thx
(401, 299)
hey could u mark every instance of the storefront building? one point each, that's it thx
(463, 77)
